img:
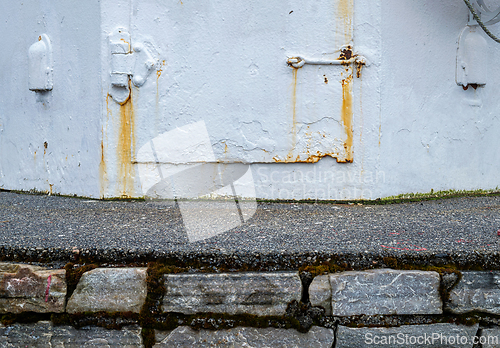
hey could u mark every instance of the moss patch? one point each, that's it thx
(151, 316)
(402, 198)
(24, 318)
(73, 275)
(110, 321)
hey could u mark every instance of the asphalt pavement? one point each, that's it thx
(37, 225)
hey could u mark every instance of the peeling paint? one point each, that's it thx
(126, 145)
(309, 155)
(314, 149)
(346, 53)
(160, 70)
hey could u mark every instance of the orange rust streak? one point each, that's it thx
(126, 144)
(128, 43)
(345, 11)
(157, 108)
(346, 114)
(289, 158)
(103, 175)
(294, 116)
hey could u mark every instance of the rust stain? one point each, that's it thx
(50, 189)
(103, 174)
(294, 115)
(125, 148)
(159, 71)
(346, 115)
(359, 66)
(361, 127)
(108, 110)
(361, 112)
(128, 43)
(326, 79)
(346, 53)
(157, 106)
(473, 85)
(347, 120)
(345, 11)
(45, 145)
(379, 133)
(309, 159)
(39, 38)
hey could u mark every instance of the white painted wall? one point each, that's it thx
(224, 63)
(68, 118)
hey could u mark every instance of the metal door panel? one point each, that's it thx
(225, 63)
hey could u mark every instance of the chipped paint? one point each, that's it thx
(309, 154)
(160, 69)
(346, 53)
(216, 76)
(306, 148)
(359, 67)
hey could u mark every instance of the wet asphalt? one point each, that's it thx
(455, 227)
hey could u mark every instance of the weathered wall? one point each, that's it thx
(434, 134)
(50, 142)
(318, 131)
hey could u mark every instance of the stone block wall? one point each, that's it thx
(381, 307)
